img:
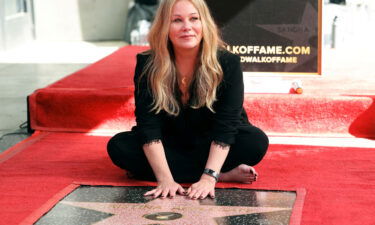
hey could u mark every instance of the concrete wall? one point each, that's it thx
(76, 20)
(354, 24)
(2, 32)
(15, 25)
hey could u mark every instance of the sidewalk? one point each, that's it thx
(61, 52)
(34, 66)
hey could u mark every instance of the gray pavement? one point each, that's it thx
(35, 66)
(17, 81)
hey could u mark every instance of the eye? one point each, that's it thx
(176, 20)
(194, 18)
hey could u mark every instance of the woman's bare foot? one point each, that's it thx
(242, 173)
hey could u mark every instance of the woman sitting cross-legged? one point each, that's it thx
(191, 124)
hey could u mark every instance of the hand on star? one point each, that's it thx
(201, 189)
(167, 188)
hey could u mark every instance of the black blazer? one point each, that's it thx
(193, 125)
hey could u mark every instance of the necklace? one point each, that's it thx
(184, 83)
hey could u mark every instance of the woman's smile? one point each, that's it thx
(185, 30)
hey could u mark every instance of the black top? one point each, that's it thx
(191, 125)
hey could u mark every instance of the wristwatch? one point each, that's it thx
(211, 173)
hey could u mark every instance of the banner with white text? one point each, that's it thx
(276, 36)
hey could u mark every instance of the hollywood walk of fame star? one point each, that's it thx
(300, 34)
(191, 210)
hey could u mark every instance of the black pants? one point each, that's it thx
(186, 160)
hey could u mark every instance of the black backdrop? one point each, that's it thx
(271, 35)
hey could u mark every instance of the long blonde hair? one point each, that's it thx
(162, 72)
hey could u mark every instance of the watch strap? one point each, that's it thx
(211, 173)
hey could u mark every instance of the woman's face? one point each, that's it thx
(185, 30)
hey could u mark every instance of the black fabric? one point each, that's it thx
(191, 124)
(147, 2)
(187, 137)
(186, 160)
(342, 2)
(141, 10)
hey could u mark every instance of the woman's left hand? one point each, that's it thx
(205, 186)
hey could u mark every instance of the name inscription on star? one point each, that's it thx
(137, 206)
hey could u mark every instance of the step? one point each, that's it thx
(99, 98)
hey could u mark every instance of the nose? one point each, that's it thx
(187, 25)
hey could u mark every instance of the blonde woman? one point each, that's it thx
(191, 125)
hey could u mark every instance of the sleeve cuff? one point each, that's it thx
(224, 140)
(151, 135)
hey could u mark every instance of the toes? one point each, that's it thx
(250, 174)
(252, 171)
(248, 169)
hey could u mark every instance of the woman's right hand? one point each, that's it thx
(165, 189)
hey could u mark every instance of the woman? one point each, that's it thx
(191, 125)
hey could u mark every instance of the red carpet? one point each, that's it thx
(100, 98)
(340, 182)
